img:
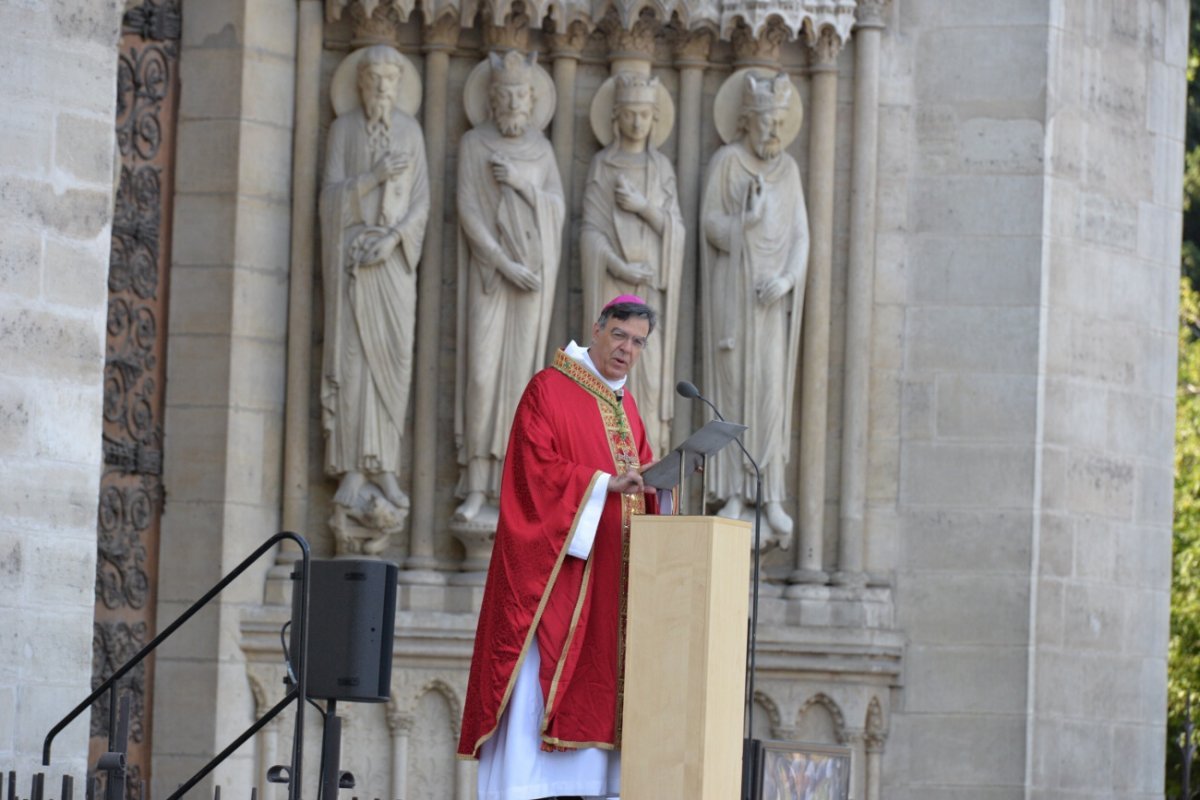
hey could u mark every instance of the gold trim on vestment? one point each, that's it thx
(625, 456)
(562, 658)
(537, 616)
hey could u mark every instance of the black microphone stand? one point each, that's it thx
(750, 745)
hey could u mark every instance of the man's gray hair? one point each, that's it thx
(623, 311)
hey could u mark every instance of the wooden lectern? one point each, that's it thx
(685, 658)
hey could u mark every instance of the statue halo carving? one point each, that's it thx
(343, 89)
(602, 107)
(475, 95)
(728, 103)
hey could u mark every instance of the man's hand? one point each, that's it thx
(628, 482)
(390, 165)
(520, 275)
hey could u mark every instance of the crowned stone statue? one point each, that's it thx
(633, 235)
(753, 267)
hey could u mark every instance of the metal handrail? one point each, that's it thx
(300, 668)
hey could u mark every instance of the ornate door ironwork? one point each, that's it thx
(131, 492)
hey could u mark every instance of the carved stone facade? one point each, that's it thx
(979, 471)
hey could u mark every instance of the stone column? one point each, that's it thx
(814, 363)
(464, 780)
(438, 39)
(860, 284)
(565, 49)
(309, 29)
(854, 740)
(874, 771)
(691, 57)
(400, 726)
(266, 741)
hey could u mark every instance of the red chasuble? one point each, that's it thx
(569, 429)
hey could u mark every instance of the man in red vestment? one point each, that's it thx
(543, 705)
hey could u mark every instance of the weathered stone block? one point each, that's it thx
(942, 750)
(191, 558)
(1094, 617)
(265, 163)
(1159, 232)
(84, 147)
(20, 260)
(945, 540)
(1001, 145)
(966, 476)
(1101, 485)
(1096, 549)
(200, 432)
(28, 141)
(202, 229)
(212, 82)
(965, 609)
(1050, 616)
(979, 340)
(980, 407)
(268, 91)
(271, 26)
(1138, 750)
(93, 21)
(198, 370)
(985, 205)
(47, 495)
(965, 680)
(1066, 753)
(1075, 413)
(217, 24)
(975, 271)
(263, 241)
(1155, 494)
(1166, 100)
(257, 372)
(210, 152)
(75, 213)
(974, 66)
(75, 275)
(192, 731)
(73, 75)
(205, 300)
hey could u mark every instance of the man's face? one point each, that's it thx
(511, 108)
(634, 121)
(379, 85)
(617, 346)
(762, 132)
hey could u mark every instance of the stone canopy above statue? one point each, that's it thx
(719, 16)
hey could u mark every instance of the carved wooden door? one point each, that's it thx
(131, 492)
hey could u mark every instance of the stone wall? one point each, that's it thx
(56, 176)
(1029, 242)
(226, 364)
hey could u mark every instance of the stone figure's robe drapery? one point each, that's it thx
(502, 329)
(369, 309)
(751, 350)
(569, 430)
(607, 231)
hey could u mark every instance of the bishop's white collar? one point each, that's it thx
(581, 355)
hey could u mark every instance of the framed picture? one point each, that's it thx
(801, 771)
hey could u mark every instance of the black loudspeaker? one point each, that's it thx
(351, 623)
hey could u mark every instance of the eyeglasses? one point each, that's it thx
(622, 335)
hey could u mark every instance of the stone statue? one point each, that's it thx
(510, 215)
(633, 235)
(373, 208)
(753, 268)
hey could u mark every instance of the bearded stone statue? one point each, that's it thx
(753, 268)
(510, 215)
(373, 207)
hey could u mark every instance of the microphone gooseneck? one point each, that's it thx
(750, 748)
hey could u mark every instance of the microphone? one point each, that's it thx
(750, 745)
(688, 389)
